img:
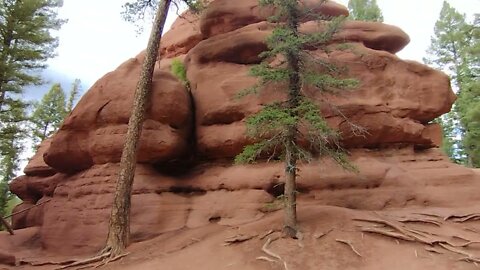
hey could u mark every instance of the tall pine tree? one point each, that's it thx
(281, 127)
(12, 137)
(72, 97)
(365, 10)
(26, 42)
(119, 223)
(48, 114)
(454, 49)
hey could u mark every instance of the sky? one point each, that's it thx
(95, 40)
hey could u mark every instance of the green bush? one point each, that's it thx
(178, 69)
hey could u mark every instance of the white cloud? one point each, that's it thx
(96, 39)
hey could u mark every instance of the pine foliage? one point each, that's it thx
(137, 11)
(455, 48)
(73, 96)
(294, 130)
(365, 10)
(26, 42)
(49, 113)
(270, 126)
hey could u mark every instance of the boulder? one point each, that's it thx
(95, 131)
(36, 165)
(388, 103)
(224, 16)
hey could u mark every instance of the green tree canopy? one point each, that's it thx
(136, 11)
(455, 49)
(12, 135)
(49, 113)
(72, 97)
(26, 42)
(365, 10)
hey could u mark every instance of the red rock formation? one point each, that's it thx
(94, 131)
(225, 16)
(185, 181)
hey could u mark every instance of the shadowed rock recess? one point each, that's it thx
(188, 195)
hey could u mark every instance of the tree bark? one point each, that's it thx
(294, 95)
(290, 198)
(7, 226)
(119, 226)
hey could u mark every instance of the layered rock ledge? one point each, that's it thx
(185, 179)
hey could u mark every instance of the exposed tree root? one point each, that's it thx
(268, 252)
(348, 243)
(467, 244)
(86, 261)
(320, 235)
(387, 233)
(470, 260)
(104, 257)
(238, 239)
(456, 250)
(421, 220)
(463, 218)
(109, 260)
(266, 234)
(33, 263)
(399, 229)
(263, 258)
(272, 254)
(434, 250)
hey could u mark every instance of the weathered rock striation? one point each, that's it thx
(185, 178)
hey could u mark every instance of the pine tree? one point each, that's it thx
(119, 224)
(25, 44)
(72, 97)
(276, 128)
(12, 135)
(48, 114)
(365, 10)
(469, 102)
(454, 49)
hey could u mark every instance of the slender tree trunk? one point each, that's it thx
(119, 227)
(2, 96)
(290, 219)
(7, 226)
(294, 95)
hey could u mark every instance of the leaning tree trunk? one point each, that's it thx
(294, 95)
(119, 227)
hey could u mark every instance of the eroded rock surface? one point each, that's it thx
(95, 130)
(185, 181)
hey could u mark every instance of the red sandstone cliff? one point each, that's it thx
(190, 197)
